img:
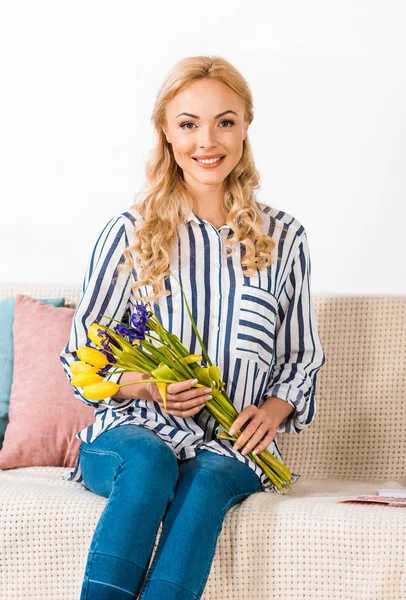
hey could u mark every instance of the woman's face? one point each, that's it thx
(214, 125)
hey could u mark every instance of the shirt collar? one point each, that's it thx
(193, 217)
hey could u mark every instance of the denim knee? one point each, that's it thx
(150, 467)
(136, 452)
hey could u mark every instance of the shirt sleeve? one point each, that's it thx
(105, 291)
(298, 351)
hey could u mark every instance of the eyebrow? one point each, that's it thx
(216, 117)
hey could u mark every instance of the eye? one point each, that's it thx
(230, 121)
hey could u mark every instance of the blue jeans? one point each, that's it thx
(146, 483)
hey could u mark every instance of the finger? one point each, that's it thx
(185, 414)
(241, 419)
(190, 395)
(187, 399)
(180, 386)
(181, 407)
(265, 443)
(255, 425)
(253, 441)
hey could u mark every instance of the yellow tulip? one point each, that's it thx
(92, 356)
(82, 379)
(100, 391)
(79, 366)
(93, 335)
(191, 358)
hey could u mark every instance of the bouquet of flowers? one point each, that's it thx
(130, 348)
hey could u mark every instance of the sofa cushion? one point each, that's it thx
(7, 309)
(44, 415)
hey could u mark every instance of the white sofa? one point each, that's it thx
(302, 545)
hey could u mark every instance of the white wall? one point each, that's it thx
(79, 80)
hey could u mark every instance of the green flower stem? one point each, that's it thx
(153, 337)
(273, 477)
(173, 345)
(155, 325)
(275, 463)
(230, 414)
(226, 406)
(112, 320)
(147, 381)
(154, 351)
(144, 366)
(208, 361)
(128, 364)
(217, 414)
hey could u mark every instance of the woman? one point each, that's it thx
(201, 222)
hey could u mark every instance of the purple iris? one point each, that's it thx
(109, 356)
(139, 324)
(106, 340)
(139, 319)
(127, 332)
(112, 340)
(104, 371)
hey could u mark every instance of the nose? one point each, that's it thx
(207, 137)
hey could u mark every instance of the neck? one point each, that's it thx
(208, 201)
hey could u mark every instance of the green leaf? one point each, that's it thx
(165, 372)
(203, 375)
(215, 374)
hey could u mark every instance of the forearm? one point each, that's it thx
(138, 390)
(277, 408)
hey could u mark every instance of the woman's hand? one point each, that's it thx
(261, 427)
(181, 399)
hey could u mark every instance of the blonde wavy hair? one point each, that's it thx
(167, 198)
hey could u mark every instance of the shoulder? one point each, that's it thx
(285, 229)
(279, 223)
(130, 217)
(289, 234)
(121, 223)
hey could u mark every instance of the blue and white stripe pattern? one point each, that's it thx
(261, 331)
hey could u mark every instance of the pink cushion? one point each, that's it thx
(44, 415)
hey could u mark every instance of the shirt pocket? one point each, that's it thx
(256, 326)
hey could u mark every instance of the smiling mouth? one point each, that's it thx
(208, 163)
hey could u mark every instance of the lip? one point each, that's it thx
(212, 165)
(207, 156)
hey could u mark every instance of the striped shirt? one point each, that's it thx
(261, 330)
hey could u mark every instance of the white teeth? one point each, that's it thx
(208, 161)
